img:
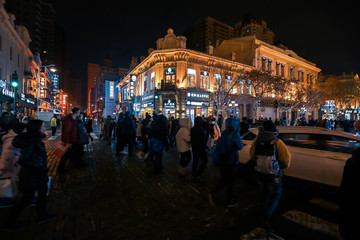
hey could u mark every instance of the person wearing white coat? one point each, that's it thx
(183, 144)
(9, 167)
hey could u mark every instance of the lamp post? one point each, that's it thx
(14, 84)
(38, 88)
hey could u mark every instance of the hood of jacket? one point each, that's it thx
(185, 123)
(266, 136)
(231, 124)
(199, 122)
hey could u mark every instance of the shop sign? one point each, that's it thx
(147, 97)
(169, 71)
(133, 79)
(137, 107)
(169, 104)
(350, 111)
(147, 105)
(112, 90)
(197, 104)
(197, 95)
(30, 101)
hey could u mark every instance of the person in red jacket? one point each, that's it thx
(70, 135)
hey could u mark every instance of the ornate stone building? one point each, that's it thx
(278, 62)
(179, 82)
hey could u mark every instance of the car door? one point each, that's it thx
(307, 156)
(339, 151)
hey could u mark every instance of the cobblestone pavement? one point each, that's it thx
(116, 197)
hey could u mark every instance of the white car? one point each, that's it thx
(318, 154)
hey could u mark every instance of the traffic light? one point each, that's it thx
(14, 80)
(17, 104)
(156, 95)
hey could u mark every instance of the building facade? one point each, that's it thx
(15, 60)
(276, 61)
(38, 17)
(180, 82)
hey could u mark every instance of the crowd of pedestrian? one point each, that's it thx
(24, 156)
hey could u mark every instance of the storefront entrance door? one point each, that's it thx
(190, 113)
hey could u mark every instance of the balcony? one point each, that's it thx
(166, 86)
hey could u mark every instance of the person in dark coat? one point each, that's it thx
(244, 126)
(228, 166)
(198, 143)
(33, 175)
(349, 196)
(89, 128)
(119, 133)
(70, 135)
(158, 133)
(126, 134)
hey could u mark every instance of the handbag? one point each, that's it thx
(61, 150)
(8, 188)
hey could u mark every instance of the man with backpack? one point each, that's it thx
(271, 155)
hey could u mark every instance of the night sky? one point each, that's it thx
(324, 32)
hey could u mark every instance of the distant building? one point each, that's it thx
(99, 78)
(38, 17)
(253, 27)
(205, 32)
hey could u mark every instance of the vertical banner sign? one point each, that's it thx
(111, 89)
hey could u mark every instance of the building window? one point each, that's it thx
(170, 76)
(277, 70)
(191, 77)
(269, 67)
(204, 80)
(145, 83)
(283, 70)
(249, 87)
(263, 64)
(242, 86)
(152, 80)
(227, 83)
(217, 81)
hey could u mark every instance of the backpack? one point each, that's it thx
(156, 145)
(220, 151)
(266, 161)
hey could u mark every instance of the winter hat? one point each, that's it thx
(269, 126)
(357, 125)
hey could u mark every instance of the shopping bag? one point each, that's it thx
(61, 150)
(8, 188)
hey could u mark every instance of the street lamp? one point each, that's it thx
(15, 84)
(38, 85)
